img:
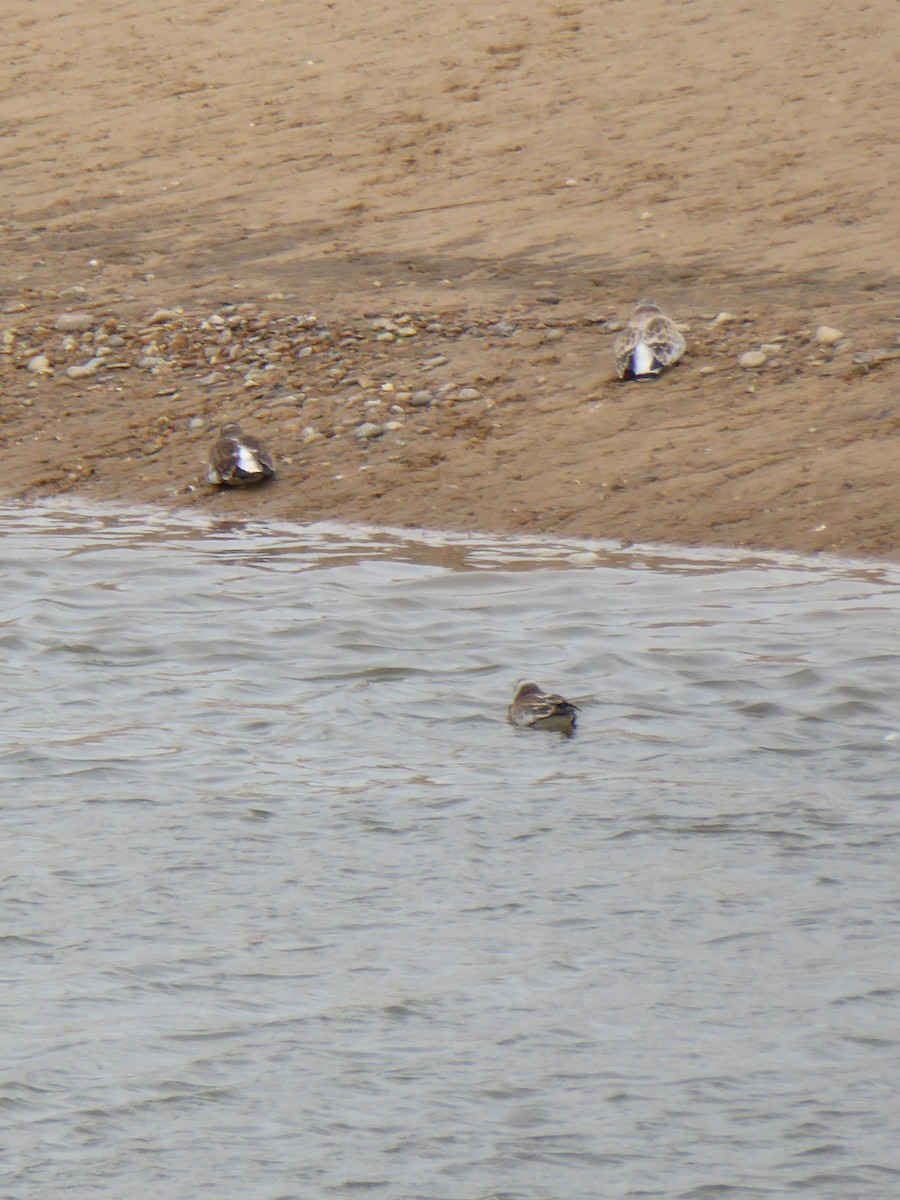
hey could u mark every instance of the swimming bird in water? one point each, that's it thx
(648, 343)
(533, 708)
(237, 459)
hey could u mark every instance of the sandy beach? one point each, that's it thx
(398, 246)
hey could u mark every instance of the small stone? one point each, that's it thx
(873, 358)
(468, 393)
(276, 404)
(386, 336)
(196, 423)
(163, 315)
(724, 318)
(148, 362)
(438, 361)
(420, 399)
(209, 380)
(770, 348)
(751, 359)
(74, 322)
(367, 431)
(554, 335)
(504, 328)
(39, 365)
(825, 335)
(391, 426)
(406, 331)
(116, 340)
(83, 370)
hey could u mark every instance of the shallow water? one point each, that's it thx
(291, 911)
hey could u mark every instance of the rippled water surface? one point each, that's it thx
(290, 910)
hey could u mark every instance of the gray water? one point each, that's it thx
(290, 911)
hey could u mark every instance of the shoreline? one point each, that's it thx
(452, 547)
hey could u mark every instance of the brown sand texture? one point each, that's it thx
(397, 241)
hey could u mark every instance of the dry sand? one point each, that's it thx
(510, 177)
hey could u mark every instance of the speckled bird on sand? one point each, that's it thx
(237, 459)
(648, 344)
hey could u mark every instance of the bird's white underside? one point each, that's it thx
(642, 359)
(247, 461)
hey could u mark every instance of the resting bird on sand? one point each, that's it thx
(533, 708)
(648, 343)
(237, 459)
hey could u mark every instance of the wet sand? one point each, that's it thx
(399, 252)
